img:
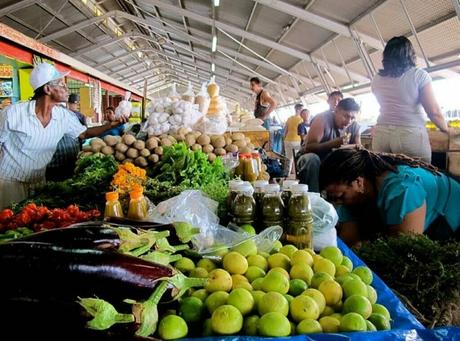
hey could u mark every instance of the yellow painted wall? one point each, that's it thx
(85, 102)
(25, 90)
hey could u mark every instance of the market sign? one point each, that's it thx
(39, 59)
(6, 71)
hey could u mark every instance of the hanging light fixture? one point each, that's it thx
(213, 67)
(216, 3)
(214, 43)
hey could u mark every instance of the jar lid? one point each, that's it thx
(245, 155)
(299, 188)
(272, 188)
(111, 196)
(260, 183)
(287, 184)
(233, 183)
(245, 188)
(255, 154)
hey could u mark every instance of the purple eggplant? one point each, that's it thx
(39, 270)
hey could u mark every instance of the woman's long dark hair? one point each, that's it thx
(346, 165)
(398, 57)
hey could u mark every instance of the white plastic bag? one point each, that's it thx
(124, 107)
(189, 95)
(216, 125)
(202, 99)
(325, 219)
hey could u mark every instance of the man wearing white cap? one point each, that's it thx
(30, 132)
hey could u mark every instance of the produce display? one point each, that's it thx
(244, 121)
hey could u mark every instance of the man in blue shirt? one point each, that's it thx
(110, 117)
(302, 129)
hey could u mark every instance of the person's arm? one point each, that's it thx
(314, 136)
(432, 108)
(413, 222)
(266, 98)
(357, 140)
(96, 131)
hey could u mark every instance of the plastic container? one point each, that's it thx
(113, 207)
(272, 206)
(244, 206)
(250, 169)
(286, 194)
(300, 219)
(136, 210)
(239, 170)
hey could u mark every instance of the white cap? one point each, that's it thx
(301, 189)
(233, 183)
(44, 73)
(272, 188)
(287, 184)
(260, 183)
(245, 188)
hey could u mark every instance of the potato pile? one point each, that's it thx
(127, 148)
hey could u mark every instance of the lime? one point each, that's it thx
(207, 327)
(276, 246)
(244, 285)
(249, 229)
(304, 307)
(354, 287)
(337, 316)
(358, 304)
(347, 262)
(279, 260)
(172, 327)
(281, 271)
(275, 281)
(215, 300)
(338, 307)
(219, 280)
(274, 324)
(254, 272)
(371, 294)
(333, 254)
(207, 264)
(246, 248)
(235, 263)
(302, 271)
(364, 273)
(288, 250)
(259, 261)
(199, 273)
(327, 311)
(324, 265)
(257, 295)
(184, 265)
(236, 279)
(316, 258)
(380, 322)
(341, 270)
(191, 309)
(310, 251)
(380, 309)
(257, 284)
(250, 325)
(264, 254)
(309, 326)
(370, 326)
(329, 324)
(332, 291)
(242, 300)
(297, 286)
(318, 297)
(353, 322)
(273, 301)
(202, 294)
(288, 298)
(318, 278)
(226, 320)
(302, 257)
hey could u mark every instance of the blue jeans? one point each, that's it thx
(308, 169)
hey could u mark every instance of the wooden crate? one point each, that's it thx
(454, 163)
(439, 141)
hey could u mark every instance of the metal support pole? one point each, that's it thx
(377, 29)
(456, 4)
(414, 32)
(322, 79)
(327, 68)
(363, 55)
(342, 60)
(309, 75)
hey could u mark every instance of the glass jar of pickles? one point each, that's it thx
(272, 206)
(300, 226)
(243, 206)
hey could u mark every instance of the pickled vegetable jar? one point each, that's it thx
(243, 207)
(112, 205)
(272, 206)
(286, 194)
(232, 193)
(250, 171)
(300, 224)
(137, 209)
(259, 192)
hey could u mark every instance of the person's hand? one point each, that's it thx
(120, 121)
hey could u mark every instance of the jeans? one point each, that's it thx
(410, 141)
(308, 168)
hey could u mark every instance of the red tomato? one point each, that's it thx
(73, 210)
(6, 215)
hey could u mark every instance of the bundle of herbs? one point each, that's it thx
(422, 272)
(86, 188)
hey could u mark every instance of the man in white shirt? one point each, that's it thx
(30, 132)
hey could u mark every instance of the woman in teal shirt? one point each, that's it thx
(389, 194)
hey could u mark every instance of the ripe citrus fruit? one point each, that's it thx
(380, 322)
(281, 271)
(318, 278)
(254, 272)
(207, 328)
(199, 273)
(276, 246)
(354, 287)
(329, 324)
(324, 265)
(258, 260)
(371, 294)
(332, 292)
(226, 320)
(257, 295)
(257, 284)
(184, 265)
(358, 304)
(273, 301)
(274, 324)
(318, 297)
(235, 263)
(279, 260)
(202, 294)
(341, 270)
(353, 322)
(333, 254)
(249, 229)
(288, 250)
(304, 307)
(246, 248)
(191, 309)
(364, 273)
(301, 271)
(302, 257)
(250, 325)
(242, 300)
(347, 262)
(219, 280)
(172, 327)
(215, 300)
(370, 326)
(327, 311)
(309, 326)
(380, 309)
(297, 286)
(207, 264)
(275, 281)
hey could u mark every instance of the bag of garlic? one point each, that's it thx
(124, 107)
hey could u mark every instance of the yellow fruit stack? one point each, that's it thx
(214, 105)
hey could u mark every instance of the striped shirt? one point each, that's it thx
(26, 147)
